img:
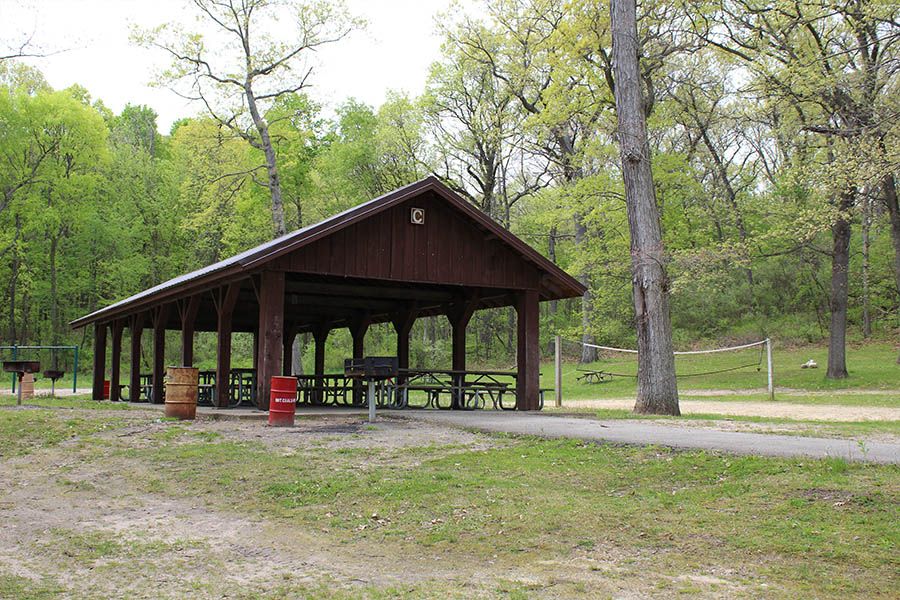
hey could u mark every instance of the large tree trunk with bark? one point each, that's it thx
(840, 263)
(657, 387)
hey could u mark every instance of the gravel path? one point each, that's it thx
(777, 409)
(643, 433)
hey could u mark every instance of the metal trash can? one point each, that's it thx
(283, 401)
(181, 392)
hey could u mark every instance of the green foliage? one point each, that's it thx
(517, 118)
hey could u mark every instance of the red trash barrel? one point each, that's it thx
(106, 389)
(283, 401)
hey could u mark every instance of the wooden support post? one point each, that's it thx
(320, 335)
(137, 329)
(187, 309)
(270, 334)
(99, 360)
(225, 298)
(403, 322)
(160, 317)
(358, 331)
(116, 358)
(287, 344)
(459, 316)
(528, 358)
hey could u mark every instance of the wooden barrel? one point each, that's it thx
(181, 392)
(28, 386)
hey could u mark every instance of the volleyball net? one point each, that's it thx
(750, 365)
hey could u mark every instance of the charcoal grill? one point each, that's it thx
(20, 367)
(372, 369)
(53, 375)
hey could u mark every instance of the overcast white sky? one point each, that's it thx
(393, 53)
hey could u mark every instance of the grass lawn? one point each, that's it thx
(872, 367)
(334, 508)
(80, 401)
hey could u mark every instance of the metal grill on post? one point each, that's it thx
(20, 367)
(372, 369)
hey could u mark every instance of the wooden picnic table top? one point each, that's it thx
(456, 372)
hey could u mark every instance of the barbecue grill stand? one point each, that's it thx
(372, 369)
(20, 367)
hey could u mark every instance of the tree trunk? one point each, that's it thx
(554, 304)
(551, 255)
(265, 143)
(54, 300)
(657, 391)
(23, 332)
(14, 277)
(432, 337)
(889, 194)
(296, 356)
(867, 316)
(840, 263)
(588, 353)
(738, 215)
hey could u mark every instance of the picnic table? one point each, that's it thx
(447, 388)
(416, 388)
(594, 377)
(330, 388)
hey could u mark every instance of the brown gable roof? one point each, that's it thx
(559, 284)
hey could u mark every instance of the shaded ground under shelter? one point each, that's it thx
(418, 251)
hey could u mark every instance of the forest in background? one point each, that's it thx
(773, 131)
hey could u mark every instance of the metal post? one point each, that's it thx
(75, 371)
(558, 382)
(15, 357)
(769, 368)
(371, 401)
(19, 375)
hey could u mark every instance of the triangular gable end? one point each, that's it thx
(421, 239)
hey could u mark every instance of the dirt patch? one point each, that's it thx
(74, 516)
(76, 519)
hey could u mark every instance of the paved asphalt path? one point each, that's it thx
(640, 433)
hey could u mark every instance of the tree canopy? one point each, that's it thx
(772, 134)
